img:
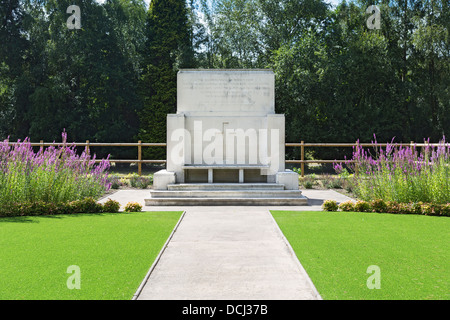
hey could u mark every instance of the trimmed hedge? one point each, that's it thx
(382, 206)
(40, 208)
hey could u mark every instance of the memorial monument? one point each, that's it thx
(225, 144)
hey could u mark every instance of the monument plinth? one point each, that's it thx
(225, 144)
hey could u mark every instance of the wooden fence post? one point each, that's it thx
(140, 158)
(356, 166)
(87, 147)
(42, 145)
(302, 164)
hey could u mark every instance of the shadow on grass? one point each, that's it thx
(27, 219)
(32, 219)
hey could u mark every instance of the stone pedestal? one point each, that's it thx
(162, 179)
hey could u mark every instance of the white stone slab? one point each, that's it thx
(226, 92)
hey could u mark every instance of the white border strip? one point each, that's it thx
(302, 270)
(144, 282)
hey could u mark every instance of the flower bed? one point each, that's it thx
(401, 174)
(54, 175)
(381, 206)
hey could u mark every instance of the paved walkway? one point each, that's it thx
(229, 253)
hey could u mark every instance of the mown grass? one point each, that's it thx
(113, 251)
(337, 248)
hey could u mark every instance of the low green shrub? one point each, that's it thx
(435, 209)
(133, 207)
(417, 207)
(392, 207)
(405, 208)
(446, 210)
(308, 184)
(330, 205)
(111, 206)
(88, 205)
(430, 209)
(362, 206)
(347, 206)
(41, 208)
(378, 205)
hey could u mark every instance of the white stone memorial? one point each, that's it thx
(225, 144)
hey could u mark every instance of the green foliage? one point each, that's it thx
(133, 207)
(111, 206)
(115, 79)
(362, 206)
(87, 205)
(115, 181)
(168, 48)
(331, 182)
(330, 205)
(52, 175)
(130, 180)
(309, 181)
(137, 181)
(378, 205)
(402, 174)
(83, 80)
(42, 208)
(347, 206)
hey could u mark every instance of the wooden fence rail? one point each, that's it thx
(301, 145)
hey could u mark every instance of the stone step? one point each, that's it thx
(225, 194)
(225, 186)
(294, 201)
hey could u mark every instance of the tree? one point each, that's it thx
(235, 40)
(12, 49)
(168, 48)
(431, 68)
(84, 81)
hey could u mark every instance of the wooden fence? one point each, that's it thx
(302, 145)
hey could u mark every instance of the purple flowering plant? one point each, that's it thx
(56, 174)
(401, 173)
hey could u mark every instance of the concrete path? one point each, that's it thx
(227, 253)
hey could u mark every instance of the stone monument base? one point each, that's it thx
(284, 192)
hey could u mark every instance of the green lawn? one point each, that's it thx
(411, 251)
(113, 253)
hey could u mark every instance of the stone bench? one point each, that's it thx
(238, 167)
